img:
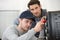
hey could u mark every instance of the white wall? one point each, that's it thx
(9, 4)
(53, 5)
(22, 4)
(13, 5)
(9, 10)
(7, 17)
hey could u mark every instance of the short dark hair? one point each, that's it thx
(33, 2)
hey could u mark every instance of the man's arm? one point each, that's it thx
(27, 35)
(10, 35)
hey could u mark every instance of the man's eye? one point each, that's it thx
(26, 21)
(32, 9)
(36, 7)
(31, 23)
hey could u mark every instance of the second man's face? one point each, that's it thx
(35, 9)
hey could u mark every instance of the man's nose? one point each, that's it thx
(35, 11)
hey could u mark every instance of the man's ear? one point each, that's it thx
(20, 19)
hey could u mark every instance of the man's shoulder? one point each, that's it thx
(44, 12)
(8, 29)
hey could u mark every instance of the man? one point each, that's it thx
(35, 8)
(21, 31)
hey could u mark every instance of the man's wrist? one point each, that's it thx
(35, 30)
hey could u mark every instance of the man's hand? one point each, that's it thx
(43, 19)
(39, 25)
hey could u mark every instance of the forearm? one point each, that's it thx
(27, 35)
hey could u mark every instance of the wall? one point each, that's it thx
(7, 18)
(53, 5)
(9, 10)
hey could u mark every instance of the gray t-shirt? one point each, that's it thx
(11, 33)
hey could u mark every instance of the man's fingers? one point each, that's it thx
(43, 19)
